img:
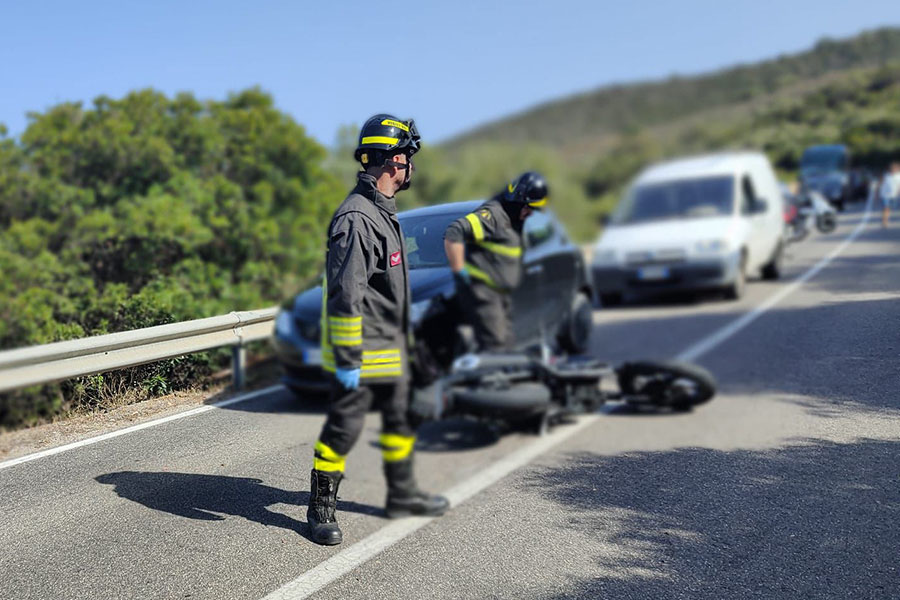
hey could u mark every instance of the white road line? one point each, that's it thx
(349, 559)
(114, 434)
(353, 556)
(711, 341)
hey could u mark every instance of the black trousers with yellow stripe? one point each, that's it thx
(347, 413)
(489, 313)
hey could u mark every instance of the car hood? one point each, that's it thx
(424, 285)
(665, 235)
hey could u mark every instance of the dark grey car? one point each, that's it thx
(553, 303)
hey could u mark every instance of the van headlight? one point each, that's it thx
(716, 246)
(605, 256)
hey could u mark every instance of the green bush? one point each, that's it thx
(147, 210)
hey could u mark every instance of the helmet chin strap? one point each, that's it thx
(407, 167)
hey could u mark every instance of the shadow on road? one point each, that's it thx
(816, 520)
(455, 435)
(208, 497)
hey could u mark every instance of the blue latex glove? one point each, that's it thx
(463, 275)
(349, 378)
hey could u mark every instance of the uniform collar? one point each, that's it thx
(365, 185)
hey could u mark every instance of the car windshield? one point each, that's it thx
(822, 159)
(678, 199)
(425, 238)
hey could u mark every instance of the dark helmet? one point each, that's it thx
(383, 136)
(528, 188)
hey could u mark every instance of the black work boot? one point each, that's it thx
(404, 497)
(323, 527)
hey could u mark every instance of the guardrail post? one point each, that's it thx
(238, 359)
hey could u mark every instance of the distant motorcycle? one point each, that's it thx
(809, 209)
(820, 211)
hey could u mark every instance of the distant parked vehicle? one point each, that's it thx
(826, 169)
(700, 223)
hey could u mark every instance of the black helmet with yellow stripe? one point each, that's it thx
(528, 188)
(383, 136)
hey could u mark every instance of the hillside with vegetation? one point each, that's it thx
(621, 109)
(590, 146)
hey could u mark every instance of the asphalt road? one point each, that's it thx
(787, 485)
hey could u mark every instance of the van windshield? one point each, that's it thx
(678, 199)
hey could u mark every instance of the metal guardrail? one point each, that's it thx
(87, 356)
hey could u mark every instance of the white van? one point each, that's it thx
(700, 223)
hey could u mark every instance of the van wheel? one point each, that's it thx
(735, 290)
(772, 270)
(576, 330)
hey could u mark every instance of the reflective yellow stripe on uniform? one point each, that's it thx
(396, 447)
(345, 331)
(481, 275)
(375, 363)
(477, 229)
(510, 251)
(345, 321)
(326, 459)
(378, 139)
(381, 363)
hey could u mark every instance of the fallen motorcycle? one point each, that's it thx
(540, 392)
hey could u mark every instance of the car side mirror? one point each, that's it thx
(760, 205)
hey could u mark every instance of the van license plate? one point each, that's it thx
(312, 356)
(653, 273)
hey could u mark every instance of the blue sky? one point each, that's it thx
(450, 65)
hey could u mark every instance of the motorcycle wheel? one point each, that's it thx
(826, 223)
(679, 386)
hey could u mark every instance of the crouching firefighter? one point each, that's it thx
(484, 250)
(365, 327)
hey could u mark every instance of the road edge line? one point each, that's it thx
(711, 341)
(146, 425)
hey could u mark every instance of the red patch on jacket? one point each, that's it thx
(395, 259)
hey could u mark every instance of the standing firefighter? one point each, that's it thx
(365, 327)
(484, 249)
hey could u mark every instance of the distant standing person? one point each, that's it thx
(888, 191)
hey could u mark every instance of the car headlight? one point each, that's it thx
(283, 325)
(604, 256)
(716, 246)
(417, 310)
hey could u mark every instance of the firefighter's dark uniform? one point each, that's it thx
(494, 262)
(365, 322)
(365, 327)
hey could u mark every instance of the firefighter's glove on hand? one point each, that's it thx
(349, 378)
(462, 276)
